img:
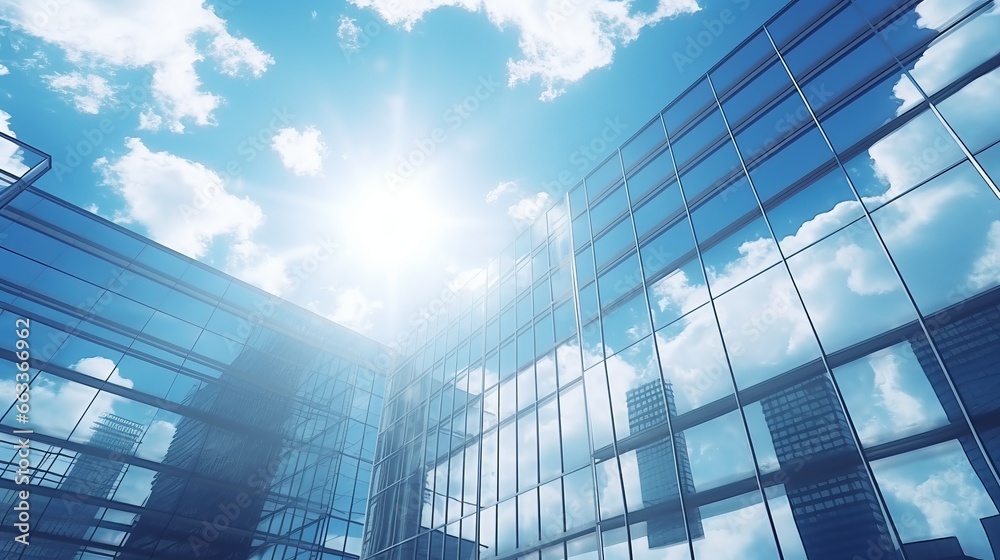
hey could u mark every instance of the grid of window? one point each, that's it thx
(765, 328)
(176, 412)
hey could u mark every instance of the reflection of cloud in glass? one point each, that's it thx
(889, 396)
(951, 56)
(736, 528)
(156, 441)
(937, 491)
(58, 404)
(986, 269)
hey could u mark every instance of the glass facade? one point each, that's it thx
(767, 327)
(174, 412)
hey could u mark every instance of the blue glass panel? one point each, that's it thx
(693, 360)
(619, 279)
(642, 143)
(791, 163)
(797, 18)
(659, 170)
(172, 330)
(944, 237)
(765, 328)
(604, 212)
(849, 287)
(687, 106)
(761, 90)
(741, 62)
(33, 244)
(824, 41)
(665, 205)
(816, 211)
(704, 134)
(604, 176)
(902, 160)
(714, 169)
(945, 468)
(740, 255)
(972, 109)
(721, 209)
(874, 107)
(614, 242)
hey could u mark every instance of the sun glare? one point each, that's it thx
(393, 228)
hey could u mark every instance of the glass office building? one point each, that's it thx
(175, 412)
(768, 326)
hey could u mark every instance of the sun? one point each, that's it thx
(393, 228)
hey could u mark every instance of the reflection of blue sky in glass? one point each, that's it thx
(889, 395)
(934, 492)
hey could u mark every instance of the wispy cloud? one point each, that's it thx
(561, 41)
(88, 92)
(171, 38)
(348, 34)
(502, 188)
(352, 308)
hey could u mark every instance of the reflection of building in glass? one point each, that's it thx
(767, 221)
(832, 499)
(648, 406)
(258, 419)
(232, 466)
(90, 475)
(807, 163)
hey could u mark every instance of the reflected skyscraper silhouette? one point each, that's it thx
(89, 476)
(832, 499)
(233, 466)
(648, 406)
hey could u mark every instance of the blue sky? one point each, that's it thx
(172, 118)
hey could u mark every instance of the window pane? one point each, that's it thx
(972, 109)
(765, 329)
(850, 290)
(892, 394)
(693, 361)
(903, 159)
(921, 485)
(944, 237)
(816, 211)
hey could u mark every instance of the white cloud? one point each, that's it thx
(528, 209)
(10, 160)
(57, 403)
(300, 152)
(156, 441)
(4, 70)
(352, 309)
(168, 37)
(89, 92)
(252, 263)
(182, 204)
(941, 489)
(905, 410)
(502, 188)
(986, 269)
(348, 34)
(561, 41)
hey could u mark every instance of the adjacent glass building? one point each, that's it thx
(768, 326)
(175, 412)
